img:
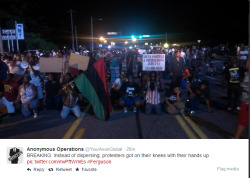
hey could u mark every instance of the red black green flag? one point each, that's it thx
(93, 85)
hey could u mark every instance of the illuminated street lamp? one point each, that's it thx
(126, 42)
(101, 38)
(199, 42)
(134, 39)
(166, 45)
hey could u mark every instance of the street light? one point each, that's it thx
(92, 32)
(134, 39)
(101, 38)
(166, 45)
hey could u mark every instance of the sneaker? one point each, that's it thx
(134, 109)
(238, 108)
(35, 115)
(125, 109)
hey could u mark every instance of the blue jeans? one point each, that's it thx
(76, 110)
(26, 111)
(129, 101)
(149, 108)
(194, 103)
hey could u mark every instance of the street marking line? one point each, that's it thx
(185, 127)
(210, 77)
(79, 134)
(74, 126)
(195, 127)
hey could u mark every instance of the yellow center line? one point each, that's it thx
(79, 133)
(185, 127)
(195, 127)
(74, 126)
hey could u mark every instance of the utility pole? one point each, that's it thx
(76, 39)
(71, 11)
(17, 44)
(1, 42)
(92, 34)
(8, 42)
(166, 37)
(12, 43)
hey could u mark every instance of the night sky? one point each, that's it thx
(184, 21)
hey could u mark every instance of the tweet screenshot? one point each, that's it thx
(125, 158)
(124, 88)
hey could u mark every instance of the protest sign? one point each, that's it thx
(53, 65)
(153, 62)
(78, 61)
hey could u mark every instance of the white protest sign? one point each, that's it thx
(153, 62)
(51, 65)
(78, 61)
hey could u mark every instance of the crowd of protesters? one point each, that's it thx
(26, 90)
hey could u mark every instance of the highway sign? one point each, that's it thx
(9, 31)
(9, 37)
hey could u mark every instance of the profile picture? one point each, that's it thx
(15, 155)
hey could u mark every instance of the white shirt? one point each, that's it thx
(153, 97)
(118, 83)
(35, 79)
(243, 55)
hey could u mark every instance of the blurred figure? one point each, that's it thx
(52, 88)
(114, 91)
(243, 117)
(152, 89)
(70, 101)
(27, 94)
(130, 95)
(173, 100)
(10, 92)
(233, 85)
(114, 67)
(130, 62)
(243, 53)
(177, 67)
(3, 70)
(197, 92)
(211, 71)
(65, 78)
(3, 108)
(34, 72)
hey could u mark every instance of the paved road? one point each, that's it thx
(220, 124)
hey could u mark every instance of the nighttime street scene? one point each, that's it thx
(125, 69)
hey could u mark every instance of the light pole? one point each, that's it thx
(71, 17)
(92, 32)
